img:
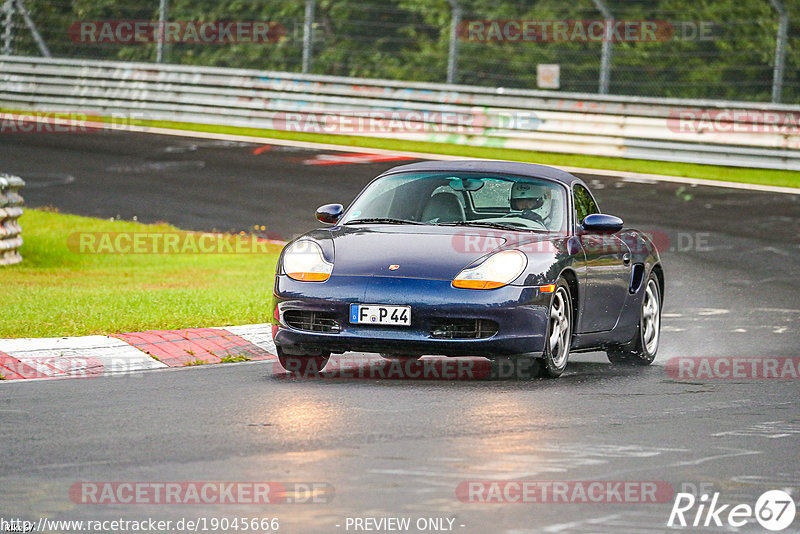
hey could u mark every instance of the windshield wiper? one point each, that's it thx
(485, 224)
(382, 220)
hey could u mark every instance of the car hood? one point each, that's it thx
(417, 252)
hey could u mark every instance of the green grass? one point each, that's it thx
(691, 170)
(59, 291)
(232, 359)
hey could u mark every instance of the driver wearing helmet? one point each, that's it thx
(533, 200)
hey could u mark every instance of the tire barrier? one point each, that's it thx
(10, 212)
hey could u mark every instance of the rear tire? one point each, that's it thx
(559, 333)
(642, 349)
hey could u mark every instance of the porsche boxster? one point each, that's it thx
(491, 259)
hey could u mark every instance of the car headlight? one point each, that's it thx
(304, 261)
(498, 270)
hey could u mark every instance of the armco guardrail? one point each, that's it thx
(697, 131)
(10, 212)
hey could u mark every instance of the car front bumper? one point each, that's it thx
(520, 314)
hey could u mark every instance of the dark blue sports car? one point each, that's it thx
(469, 258)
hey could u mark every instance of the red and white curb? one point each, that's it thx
(93, 356)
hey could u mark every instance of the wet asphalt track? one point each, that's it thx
(400, 448)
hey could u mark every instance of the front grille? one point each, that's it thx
(311, 321)
(463, 328)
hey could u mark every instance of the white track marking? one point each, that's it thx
(768, 429)
(713, 311)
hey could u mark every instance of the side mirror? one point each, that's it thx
(602, 223)
(330, 213)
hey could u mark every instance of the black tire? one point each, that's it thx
(559, 333)
(303, 366)
(644, 346)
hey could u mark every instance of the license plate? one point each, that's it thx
(380, 314)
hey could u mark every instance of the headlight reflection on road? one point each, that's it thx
(304, 419)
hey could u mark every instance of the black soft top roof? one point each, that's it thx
(491, 166)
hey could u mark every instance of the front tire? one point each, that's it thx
(303, 366)
(559, 333)
(642, 350)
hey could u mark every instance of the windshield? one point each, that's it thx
(462, 199)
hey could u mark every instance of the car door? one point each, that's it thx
(607, 269)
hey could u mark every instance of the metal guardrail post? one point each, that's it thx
(163, 8)
(308, 35)
(605, 58)
(10, 212)
(26, 16)
(780, 50)
(8, 26)
(452, 56)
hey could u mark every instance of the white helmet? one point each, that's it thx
(540, 194)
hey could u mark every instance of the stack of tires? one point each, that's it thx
(10, 212)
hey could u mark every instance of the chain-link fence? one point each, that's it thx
(718, 49)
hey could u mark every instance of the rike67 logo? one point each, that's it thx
(774, 510)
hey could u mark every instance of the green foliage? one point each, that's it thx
(234, 358)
